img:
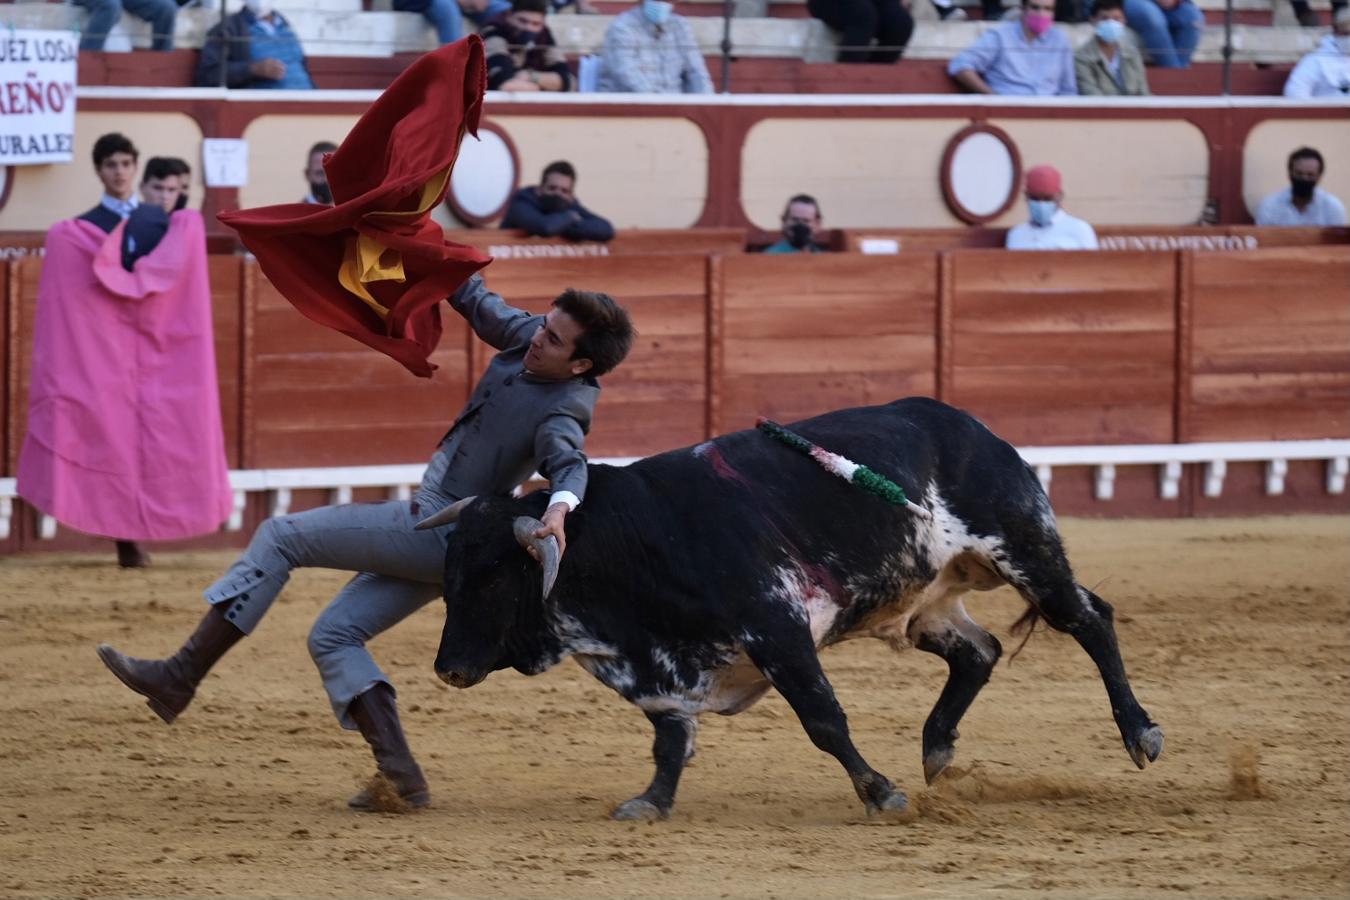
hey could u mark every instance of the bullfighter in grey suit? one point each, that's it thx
(531, 410)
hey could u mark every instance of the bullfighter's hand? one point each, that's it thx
(553, 524)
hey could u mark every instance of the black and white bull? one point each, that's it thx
(694, 580)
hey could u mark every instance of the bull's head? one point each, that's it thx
(491, 581)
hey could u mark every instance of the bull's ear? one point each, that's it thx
(445, 516)
(544, 549)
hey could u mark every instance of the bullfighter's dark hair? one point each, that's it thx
(1307, 153)
(561, 167)
(801, 198)
(607, 332)
(164, 167)
(1103, 5)
(536, 6)
(113, 142)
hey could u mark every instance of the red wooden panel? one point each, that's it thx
(513, 243)
(1270, 331)
(227, 324)
(802, 335)
(1065, 347)
(320, 398)
(657, 398)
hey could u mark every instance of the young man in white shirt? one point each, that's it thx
(1050, 228)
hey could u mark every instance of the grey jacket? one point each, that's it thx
(1094, 78)
(515, 423)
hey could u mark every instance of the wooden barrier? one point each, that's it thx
(1112, 237)
(1063, 348)
(515, 244)
(1269, 332)
(800, 335)
(1144, 347)
(319, 398)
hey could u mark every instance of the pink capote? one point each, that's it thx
(124, 437)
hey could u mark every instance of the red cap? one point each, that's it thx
(1043, 180)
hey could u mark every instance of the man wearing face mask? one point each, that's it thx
(801, 221)
(521, 53)
(1326, 71)
(552, 210)
(650, 50)
(1050, 228)
(1026, 57)
(1108, 65)
(253, 48)
(316, 176)
(1303, 202)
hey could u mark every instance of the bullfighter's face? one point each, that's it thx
(551, 348)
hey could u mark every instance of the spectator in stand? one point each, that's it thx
(861, 22)
(1326, 71)
(316, 176)
(1026, 57)
(649, 50)
(104, 14)
(1050, 228)
(947, 11)
(1168, 30)
(1303, 202)
(1309, 19)
(445, 16)
(552, 210)
(1107, 65)
(165, 178)
(256, 48)
(521, 53)
(801, 221)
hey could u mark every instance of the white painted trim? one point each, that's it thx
(398, 480)
(795, 101)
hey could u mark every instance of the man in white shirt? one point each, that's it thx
(1325, 72)
(1050, 228)
(1303, 202)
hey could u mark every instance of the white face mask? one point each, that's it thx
(657, 11)
(1110, 31)
(1042, 211)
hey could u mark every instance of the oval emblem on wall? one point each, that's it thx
(484, 177)
(981, 172)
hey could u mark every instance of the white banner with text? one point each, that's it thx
(37, 96)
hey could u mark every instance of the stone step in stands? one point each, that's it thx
(384, 33)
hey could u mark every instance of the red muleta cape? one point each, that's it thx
(375, 266)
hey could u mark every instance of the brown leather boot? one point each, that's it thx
(377, 717)
(131, 556)
(168, 684)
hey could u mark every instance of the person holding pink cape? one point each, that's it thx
(124, 436)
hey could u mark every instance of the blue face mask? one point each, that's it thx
(1042, 211)
(657, 11)
(1110, 31)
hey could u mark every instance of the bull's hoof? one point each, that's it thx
(639, 810)
(1147, 746)
(935, 760)
(893, 807)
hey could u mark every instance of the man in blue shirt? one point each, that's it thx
(253, 48)
(1028, 57)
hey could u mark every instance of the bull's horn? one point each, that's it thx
(546, 548)
(445, 516)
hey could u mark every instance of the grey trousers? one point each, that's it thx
(400, 571)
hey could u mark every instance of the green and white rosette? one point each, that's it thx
(854, 473)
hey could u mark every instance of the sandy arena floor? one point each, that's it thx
(1235, 633)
